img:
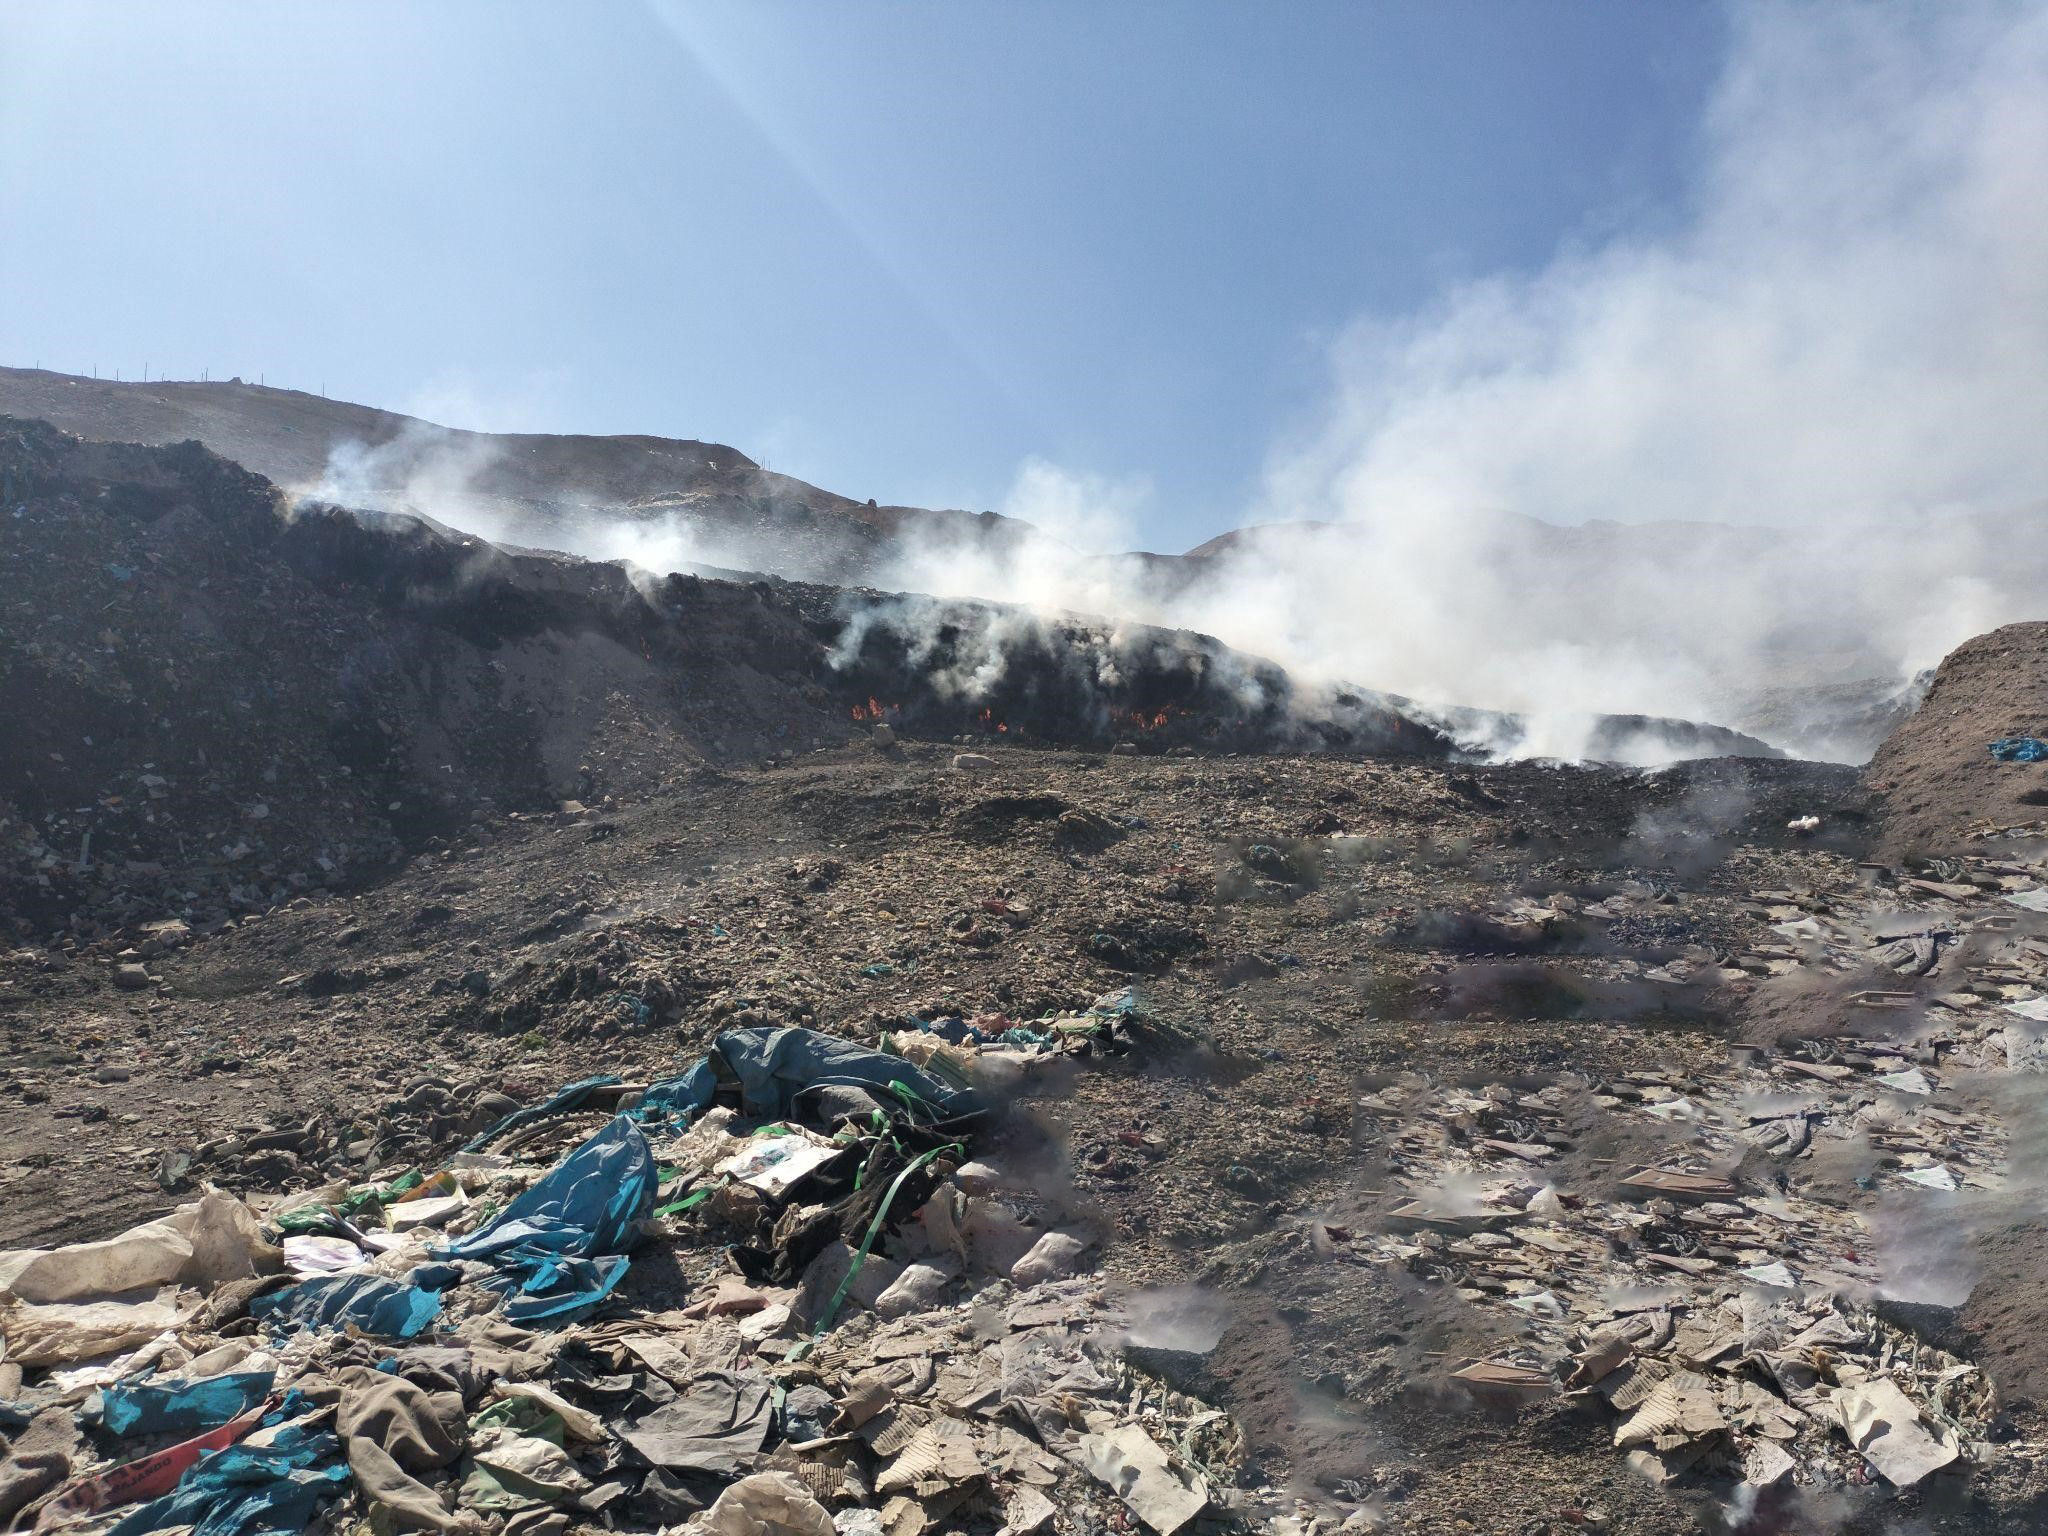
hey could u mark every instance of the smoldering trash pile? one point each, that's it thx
(775, 1293)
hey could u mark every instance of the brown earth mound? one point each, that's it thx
(219, 699)
(528, 488)
(210, 702)
(1939, 781)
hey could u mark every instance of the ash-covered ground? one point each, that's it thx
(1504, 1148)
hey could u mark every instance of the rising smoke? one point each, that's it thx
(1811, 414)
(1760, 466)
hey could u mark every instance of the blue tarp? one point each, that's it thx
(589, 1203)
(269, 1490)
(774, 1066)
(559, 1247)
(673, 1098)
(153, 1407)
(2020, 749)
(387, 1309)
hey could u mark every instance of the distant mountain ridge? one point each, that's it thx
(519, 488)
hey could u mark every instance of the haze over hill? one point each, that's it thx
(1809, 637)
(667, 501)
(558, 979)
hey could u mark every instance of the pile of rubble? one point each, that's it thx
(1721, 1309)
(775, 1293)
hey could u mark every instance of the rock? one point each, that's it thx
(973, 762)
(132, 977)
(822, 1279)
(979, 1178)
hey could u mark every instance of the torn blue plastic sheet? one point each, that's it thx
(591, 1202)
(550, 1289)
(270, 1490)
(565, 1099)
(154, 1407)
(559, 1247)
(385, 1309)
(680, 1097)
(2020, 749)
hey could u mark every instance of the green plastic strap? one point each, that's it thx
(914, 1100)
(860, 1256)
(688, 1202)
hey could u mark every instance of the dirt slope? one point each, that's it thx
(220, 694)
(531, 488)
(1938, 781)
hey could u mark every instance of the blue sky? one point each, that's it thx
(897, 249)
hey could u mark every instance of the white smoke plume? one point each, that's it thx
(424, 470)
(1758, 466)
(1834, 359)
(428, 471)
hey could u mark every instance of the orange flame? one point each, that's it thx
(875, 709)
(1149, 720)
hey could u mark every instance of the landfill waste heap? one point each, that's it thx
(875, 1131)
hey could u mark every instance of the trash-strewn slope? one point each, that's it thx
(219, 699)
(1940, 782)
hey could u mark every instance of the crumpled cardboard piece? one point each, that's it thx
(765, 1504)
(1164, 1496)
(1883, 1424)
(1682, 1408)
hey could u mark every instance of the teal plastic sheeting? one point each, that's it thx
(560, 1247)
(2020, 749)
(270, 1490)
(152, 1407)
(387, 1309)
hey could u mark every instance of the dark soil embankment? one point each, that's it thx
(219, 699)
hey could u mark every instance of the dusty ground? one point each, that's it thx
(509, 962)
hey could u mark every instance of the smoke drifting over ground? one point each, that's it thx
(1759, 467)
